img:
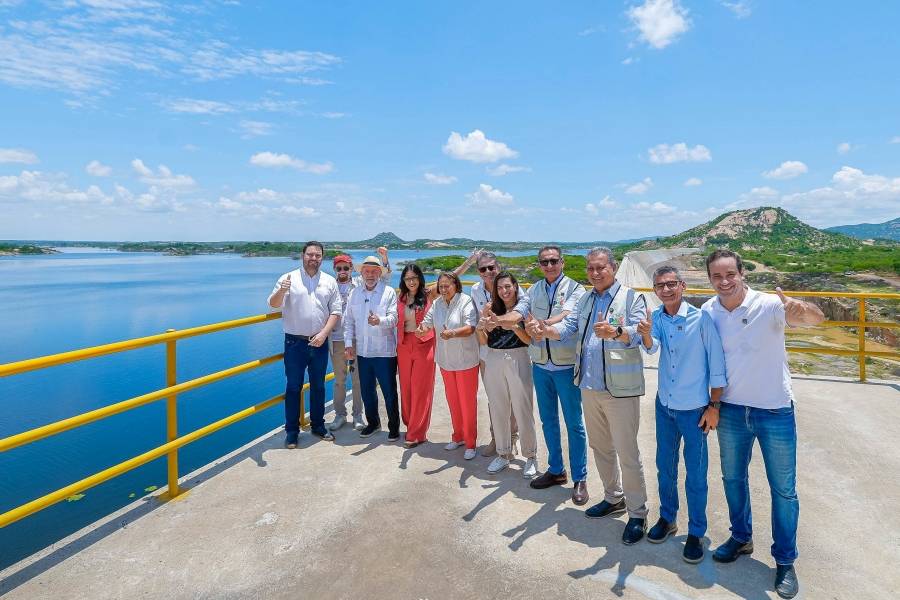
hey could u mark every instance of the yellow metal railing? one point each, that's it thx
(170, 393)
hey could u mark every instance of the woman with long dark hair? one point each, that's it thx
(415, 355)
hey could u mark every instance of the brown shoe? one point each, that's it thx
(489, 449)
(549, 479)
(580, 494)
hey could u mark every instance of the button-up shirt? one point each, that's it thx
(592, 362)
(337, 334)
(371, 341)
(755, 359)
(457, 353)
(309, 302)
(692, 359)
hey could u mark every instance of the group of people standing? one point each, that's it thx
(722, 366)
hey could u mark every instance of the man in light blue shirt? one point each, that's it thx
(691, 362)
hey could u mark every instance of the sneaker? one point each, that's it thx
(604, 509)
(730, 550)
(693, 549)
(393, 436)
(490, 449)
(453, 445)
(498, 464)
(661, 531)
(469, 454)
(358, 423)
(634, 531)
(368, 431)
(290, 440)
(530, 470)
(324, 434)
(339, 421)
(786, 583)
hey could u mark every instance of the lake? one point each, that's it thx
(85, 297)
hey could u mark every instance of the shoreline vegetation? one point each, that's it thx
(24, 249)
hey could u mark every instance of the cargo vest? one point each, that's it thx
(558, 353)
(623, 370)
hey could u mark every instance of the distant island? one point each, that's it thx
(15, 250)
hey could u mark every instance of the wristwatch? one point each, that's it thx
(715, 404)
(619, 332)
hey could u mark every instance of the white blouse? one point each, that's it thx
(458, 353)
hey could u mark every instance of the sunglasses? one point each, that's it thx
(549, 262)
(342, 268)
(486, 269)
(668, 285)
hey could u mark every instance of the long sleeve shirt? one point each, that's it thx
(457, 353)
(371, 341)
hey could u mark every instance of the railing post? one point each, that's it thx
(862, 339)
(303, 422)
(172, 417)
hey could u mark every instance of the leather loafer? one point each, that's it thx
(786, 583)
(634, 531)
(661, 531)
(549, 479)
(730, 550)
(580, 494)
(693, 550)
(604, 509)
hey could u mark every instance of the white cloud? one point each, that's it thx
(786, 170)
(740, 8)
(853, 197)
(333, 115)
(658, 208)
(629, 60)
(895, 139)
(591, 30)
(762, 192)
(194, 106)
(489, 196)
(98, 169)
(271, 160)
(659, 21)
(17, 155)
(693, 181)
(39, 187)
(163, 177)
(438, 179)
(475, 147)
(662, 154)
(253, 129)
(504, 169)
(844, 148)
(641, 187)
(605, 202)
(217, 60)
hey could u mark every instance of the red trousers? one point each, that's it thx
(461, 388)
(415, 363)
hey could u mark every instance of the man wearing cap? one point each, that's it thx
(343, 270)
(310, 308)
(370, 335)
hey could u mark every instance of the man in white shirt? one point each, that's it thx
(757, 405)
(370, 336)
(310, 308)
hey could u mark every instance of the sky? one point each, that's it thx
(576, 121)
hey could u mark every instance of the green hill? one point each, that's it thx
(889, 230)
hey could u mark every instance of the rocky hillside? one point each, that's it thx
(889, 230)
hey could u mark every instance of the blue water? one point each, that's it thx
(84, 297)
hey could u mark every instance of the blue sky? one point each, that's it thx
(582, 121)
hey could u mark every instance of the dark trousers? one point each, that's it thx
(300, 357)
(384, 371)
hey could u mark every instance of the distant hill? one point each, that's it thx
(395, 242)
(889, 230)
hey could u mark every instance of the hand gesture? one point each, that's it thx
(286, 284)
(349, 353)
(646, 324)
(421, 331)
(374, 319)
(534, 328)
(604, 330)
(447, 334)
(490, 319)
(382, 252)
(793, 309)
(318, 339)
(709, 420)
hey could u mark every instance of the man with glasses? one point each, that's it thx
(343, 270)
(552, 299)
(311, 307)
(691, 362)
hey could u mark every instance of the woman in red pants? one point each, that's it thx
(415, 355)
(452, 317)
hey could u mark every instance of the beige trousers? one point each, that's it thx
(612, 429)
(507, 381)
(340, 383)
(512, 417)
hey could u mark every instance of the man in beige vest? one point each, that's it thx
(609, 371)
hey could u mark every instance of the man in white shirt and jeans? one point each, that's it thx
(757, 405)
(310, 308)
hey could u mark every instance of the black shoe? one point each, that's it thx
(604, 509)
(394, 436)
(548, 479)
(661, 531)
(634, 531)
(324, 434)
(290, 440)
(693, 550)
(730, 550)
(369, 430)
(786, 583)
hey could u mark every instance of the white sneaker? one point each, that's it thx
(498, 464)
(358, 423)
(530, 471)
(338, 422)
(453, 445)
(470, 454)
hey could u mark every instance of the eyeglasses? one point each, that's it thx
(342, 268)
(487, 268)
(549, 262)
(668, 285)
(410, 279)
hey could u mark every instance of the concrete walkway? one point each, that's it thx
(368, 519)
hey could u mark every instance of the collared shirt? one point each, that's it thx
(592, 362)
(337, 334)
(568, 306)
(457, 353)
(692, 359)
(371, 341)
(482, 297)
(309, 302)
(755, 358)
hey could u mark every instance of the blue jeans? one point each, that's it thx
(671, 427)
(551, 385)
(300, 357)
(384, 371)
(776, 431)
